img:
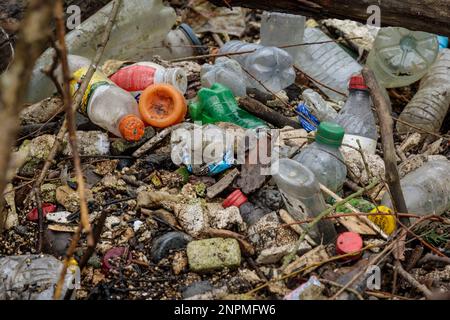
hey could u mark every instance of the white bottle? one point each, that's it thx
(227, 72)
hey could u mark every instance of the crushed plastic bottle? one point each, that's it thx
(269, 65)
(126, 42)
(327, 63)
(137, 77)
(426, 190)
(282, 29)
(218, 104)
(428, 108)
(400, 57)
(318, 106)
(302, 196)
(105, 104)
(323, 157)
(31, 277)
(227, 72)
(357, 119)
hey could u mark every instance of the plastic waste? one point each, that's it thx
(426, 190)
(327, 63)
(400, 57)
(162, 105)
(443, 42)
(308, 121)
(318, 106)
(282, 29)
(356, 117)
(428, 108)
(323, 157)
(227, 72)
(310, 290)
(32, 277)
(302, 196)
(269, 65)
(348, 243)
(105, 104)
(126, 42)
(218, 104)
(137, 77)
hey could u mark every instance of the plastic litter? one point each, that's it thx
(227, 72)
(47, 208)
(308, 121)
(443, 42)
(307, 291)
(349, 242)
(318, 106)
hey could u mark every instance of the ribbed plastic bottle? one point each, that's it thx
(137, 77)
(427, 189)
(302, 196)
(282, 29)
(269, 65)
(318, 106)
(327, 63)
(105, 104)
(323, 157)
(227, 72)
(357, 118)
(400, 57)
(428, 108)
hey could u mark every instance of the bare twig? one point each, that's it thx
(408, 277)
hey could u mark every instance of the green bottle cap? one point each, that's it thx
(330, 134)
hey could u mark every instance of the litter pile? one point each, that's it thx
(223, 160)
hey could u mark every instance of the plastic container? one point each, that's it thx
(140, 26)
(323, 157)
(227, 72)
(428, 108)
(302, 196)
(327, 63)
(280, 29)
(357, 119)
(137, 77)
(269, 65)
(400, 57)
(426, 190)
(318, 106)
(218, 104)
(105, 104)
(162, 105)
(31, 277)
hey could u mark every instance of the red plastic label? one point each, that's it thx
(134, 78)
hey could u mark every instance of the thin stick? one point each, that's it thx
(356, 293)
(408, 277)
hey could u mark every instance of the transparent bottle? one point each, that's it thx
(140, 26)
(327, 63)
(357, 118)
(280, 29)
(323, 157)
(427, 189)
(428, 108)
(400, 57)
(318, 106)
(271, 66)
(31, 277)
(227, 72)
(105, 104)
(302, 196)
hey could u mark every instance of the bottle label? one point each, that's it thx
(137, 77)
(294, 206)
(98, 80)
(368, 145)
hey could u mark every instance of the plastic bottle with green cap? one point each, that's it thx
(323, 157)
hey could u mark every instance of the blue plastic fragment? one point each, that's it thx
(443, 42)
(304, 116)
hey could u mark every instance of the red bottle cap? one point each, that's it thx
(349, 242)
(236, 198)
(33, 215)
(357, 82)
(113, 253)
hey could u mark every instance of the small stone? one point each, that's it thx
(104, 167)
(48, 192)
(170, 241)
(42, 111)
(275, 254)
(250, 276)
(179, 263)
(12, 218)
(56, 243)
(192, 218)
(137, 225)
(228, 218)
(68, 198)
(112, 222)
(90, 143)
(213, 254)
(41, 146)
(95, 261)
(251, 214)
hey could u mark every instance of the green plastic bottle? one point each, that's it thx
(218, 104)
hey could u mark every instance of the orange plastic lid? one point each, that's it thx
(162, 105)
(131, 127)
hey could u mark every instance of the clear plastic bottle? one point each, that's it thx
(301, 194)
(427, 189)
(400, 57)
(327, 63)
(31, 277)
(280, 29)
(227, 72)
(271, 66)
(318, 106)
(428, 108)
(357, 118)
(105, 104)
(323, 157)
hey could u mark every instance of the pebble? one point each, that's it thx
(162, 245)
(213, 254)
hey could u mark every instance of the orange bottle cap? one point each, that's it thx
(162, 105)
(131, 127)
